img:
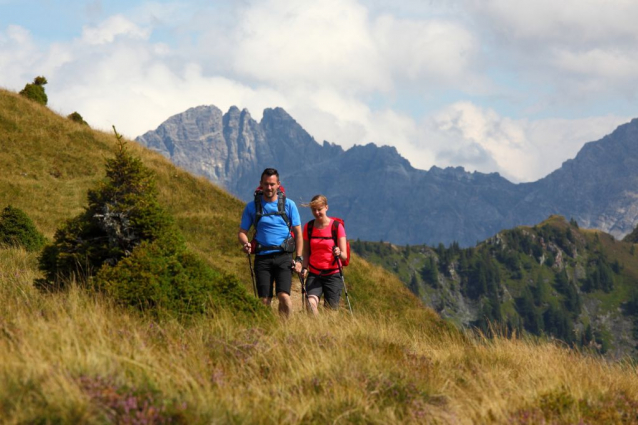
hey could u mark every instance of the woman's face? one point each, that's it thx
(319, 212)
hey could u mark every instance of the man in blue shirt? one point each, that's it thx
(273, 259)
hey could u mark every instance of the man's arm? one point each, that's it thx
(245, 224)
(242, 236)
(298, 246)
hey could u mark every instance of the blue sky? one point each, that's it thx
(515, 87)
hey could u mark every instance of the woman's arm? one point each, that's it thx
(343, 248)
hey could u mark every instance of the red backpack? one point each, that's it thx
(335, 226)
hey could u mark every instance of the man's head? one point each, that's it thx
(269, 183)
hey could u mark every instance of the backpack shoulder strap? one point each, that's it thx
(309, 229)
(259, 210)
(281, 207)
(335, 229)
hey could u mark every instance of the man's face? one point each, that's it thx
(269, 185)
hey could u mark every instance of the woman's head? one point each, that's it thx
(318, 206)
(318, 201)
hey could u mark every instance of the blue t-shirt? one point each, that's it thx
(272, 229)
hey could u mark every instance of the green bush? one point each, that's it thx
(35, 90)
(126, 245)
(76, 117)
(17, 230)
(158, 280)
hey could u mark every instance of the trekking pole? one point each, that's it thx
(252, 274)
(303, 293)
(344, 284)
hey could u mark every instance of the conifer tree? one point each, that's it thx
(126, 245)
(414, 285)
(632, 237)
(122, 212)
(429, 273)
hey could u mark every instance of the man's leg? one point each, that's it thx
(282, 273)
(264, 278)
(285, 304)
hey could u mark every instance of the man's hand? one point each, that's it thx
(242, 237)
(297, 266)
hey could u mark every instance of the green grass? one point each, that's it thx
(49, 162)
(75, 357)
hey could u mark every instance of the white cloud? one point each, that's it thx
(521, 150)
(310, 44)
(114, 26)
(573, 22)
(430, 52)
(607, 64)
(18, 54)
(324, 62)
(113, 74)
(585, 50)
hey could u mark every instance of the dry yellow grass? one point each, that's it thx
(47, 164)
(75, 358)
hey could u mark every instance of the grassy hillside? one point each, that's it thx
(48, 162)
(74, 357)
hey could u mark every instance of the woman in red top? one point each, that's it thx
(320, 254)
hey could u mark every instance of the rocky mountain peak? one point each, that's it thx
(382, 197)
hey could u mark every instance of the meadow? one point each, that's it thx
(75, 357)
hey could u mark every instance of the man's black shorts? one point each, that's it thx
(328, 285)
(275, 268)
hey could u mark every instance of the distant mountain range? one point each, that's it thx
(382, 197)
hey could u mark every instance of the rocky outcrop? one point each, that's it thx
(382, 197)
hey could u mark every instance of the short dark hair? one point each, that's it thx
(269, 172)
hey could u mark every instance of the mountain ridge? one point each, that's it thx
(366, 182)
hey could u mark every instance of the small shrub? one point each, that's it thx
(35, 91)
(76, 117)
(157, 279)
(17, 230)
(126, 245)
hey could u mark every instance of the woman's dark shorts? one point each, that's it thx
(328, 285)
(275, 268)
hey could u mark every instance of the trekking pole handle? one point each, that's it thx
(338, 260)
